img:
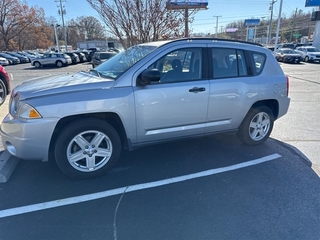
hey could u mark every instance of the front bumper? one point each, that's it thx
(29, 140)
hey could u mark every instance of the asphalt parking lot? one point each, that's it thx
(208, 188)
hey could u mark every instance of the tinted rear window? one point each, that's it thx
(106, 55)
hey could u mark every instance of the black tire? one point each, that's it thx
(257, 126)
(59, 64)
(37, 64)
(89, 141)
(306, 59)
(3, 92)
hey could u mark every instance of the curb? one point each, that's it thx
(7, 165)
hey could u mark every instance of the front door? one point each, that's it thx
(177, 105)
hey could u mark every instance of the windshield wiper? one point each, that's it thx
(95, 72)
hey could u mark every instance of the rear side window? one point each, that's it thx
(228, 63)
(259, 60)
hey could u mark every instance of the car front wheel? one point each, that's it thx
(257, 126)
(87, 148)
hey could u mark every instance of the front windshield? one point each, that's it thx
(117, 65)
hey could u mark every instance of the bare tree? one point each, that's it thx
(139, 21)
(90, 28)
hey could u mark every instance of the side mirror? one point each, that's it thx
(148, 76)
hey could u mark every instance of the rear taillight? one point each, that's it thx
(287, 85)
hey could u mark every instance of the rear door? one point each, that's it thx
(232, 90)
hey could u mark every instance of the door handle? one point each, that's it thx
(196, 89)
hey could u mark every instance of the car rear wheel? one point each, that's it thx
(59, 64)
(3, 92)
(37, 64)
(257, 126)
(306, 59)
(87, 148)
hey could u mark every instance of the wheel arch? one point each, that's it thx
(273, 104)
(112, 118)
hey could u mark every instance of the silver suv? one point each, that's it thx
(52, 59)
(309, 53)
(150, 93)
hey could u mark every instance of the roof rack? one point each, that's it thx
(221, 39)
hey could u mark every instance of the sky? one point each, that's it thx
(205, 20)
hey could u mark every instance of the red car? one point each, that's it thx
(4, 84)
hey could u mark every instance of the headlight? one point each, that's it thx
(27, 112)
(21, 109)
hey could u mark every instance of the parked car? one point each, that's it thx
(302, 45)
(4, 84)
(100, 57)
(4, 61)
(150, 93)
(12, 60)
(52, 59)
(81, 56)
(309, 53)
(28, 55)
(287, 55)
(86, 53)
(91, 51)
(286, 45)
(23, 59)
(74, 57)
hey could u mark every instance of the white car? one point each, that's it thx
(309, 53)
(4, 61)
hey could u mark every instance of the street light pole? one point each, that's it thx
(56, 35)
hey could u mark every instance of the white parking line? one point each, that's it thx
(113, 192)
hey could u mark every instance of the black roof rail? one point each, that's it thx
(220, 39)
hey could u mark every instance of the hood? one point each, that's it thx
(50, 85)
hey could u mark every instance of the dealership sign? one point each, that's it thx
(312, 3)
(251, 22)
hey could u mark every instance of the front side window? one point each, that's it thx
(180, 65)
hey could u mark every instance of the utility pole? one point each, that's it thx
(63, 11)
(278, 27)
(270, 27)
(217, 19)
(293, 24)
